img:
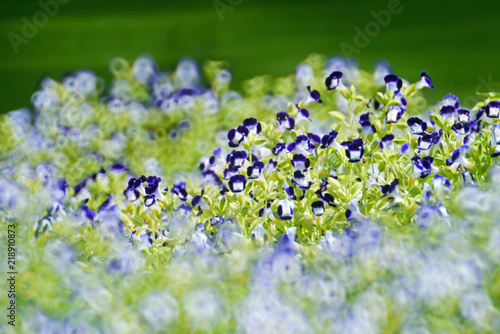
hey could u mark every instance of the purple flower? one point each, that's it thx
(330, 140)
(416, 125)
(252, 125)
(302, 145)
(386, 142)
(236, 158)
(300, 162)
(278, 148)
(236, 136)
(461, 128)
(366, 125)
(237, 183)
(334, 80)
(394, 113)
(422, 167)
(448, 112)
(493, 109)
(463, 115)
(285, 209)
(425, 81)
(179, 190)
(313, 96)
(391, 188)
(451, 100)
(318, 208)
(255, 170)
(393, 82)
(285, 121)
(354, 149)
(301, 181)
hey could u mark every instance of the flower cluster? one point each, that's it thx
(332, 200)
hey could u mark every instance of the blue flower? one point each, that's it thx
(461, 128)
(366, 125)
(252, 125)
(153, 187)
(255, 170)
(422, 167)
(236, 136)
(229, 172)
(393, 82)
(285, 121)
(301, 181)
(496, 140)
(463, 115)
(278, 148)
(266, 210)
(285, 209)
(493, 109)
(425, 81)
(417, 126)
(313, 96)
(394, 113)
(318, 208)
(352, 211)
(89, 214)
(451, 100)
(386, 142)
(330, 140)
(179, 190)
(216, 220)
(448, 112)
(458, 158)
(441, 183)
(334, 80)
(236, 158)
(302, 145)
(237, 183)
(468, 178)
(427, 140)
(150, 201)
(302, 114)
(300, 162)
(354, 149)
(391, 188)
(405, 149)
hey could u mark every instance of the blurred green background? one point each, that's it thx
(457, 42)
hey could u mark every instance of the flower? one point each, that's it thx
(352, 211)
(237, 183)
(334, 80)
(423, 167)
(458, 158)
(394, 113)
(367, 127)
(302, 145)
(391, 188)
(463, 115)
(393, 82)
(417, 125)
(330, 139)
(252, 125)
(448, 112)
(441, 184)
(386, 142)
(300, 162)
(285, 121)
(278, 148)
(179, 189)
(255, 170)
(285, 209)
(301, 180)
(236, 158)
(451, 100)
(354, 149)
(318, 208)
(313, 96)
(427, 140)
(461, 129)
(493, 109)
(236, 136)
(425, 81)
